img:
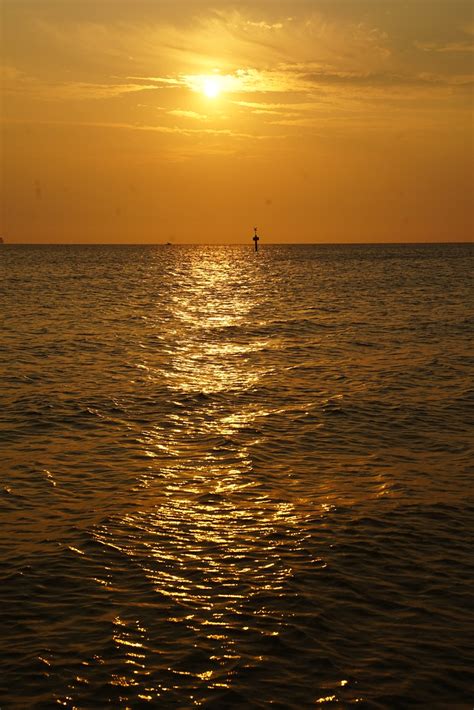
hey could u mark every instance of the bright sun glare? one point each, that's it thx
(211, 86)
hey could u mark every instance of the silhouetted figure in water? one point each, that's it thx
(255, 238)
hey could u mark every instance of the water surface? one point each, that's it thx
(236, 480)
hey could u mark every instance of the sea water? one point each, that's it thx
(236, 480)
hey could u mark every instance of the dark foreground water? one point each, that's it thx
(236, 481)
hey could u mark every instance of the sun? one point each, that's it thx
(211, 86)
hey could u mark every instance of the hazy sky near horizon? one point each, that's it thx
(193, 121)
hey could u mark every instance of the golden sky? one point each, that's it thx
(192, 121)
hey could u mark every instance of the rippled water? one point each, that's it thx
(236, 480)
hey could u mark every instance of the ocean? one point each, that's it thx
(236, 480)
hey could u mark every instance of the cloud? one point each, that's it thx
(83, 90)
(188, 114)
(262, 25)
(271, 69)
(170, 130)
(451, 47)
(279, 109)
(302, 79)
(224, 39)
(243, 80)
(15, 81)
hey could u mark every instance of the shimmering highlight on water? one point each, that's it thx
(234, 479)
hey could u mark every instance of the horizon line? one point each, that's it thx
(232, 244)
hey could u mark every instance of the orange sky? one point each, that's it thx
(332, 121)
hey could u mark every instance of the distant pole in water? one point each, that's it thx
(255, 238)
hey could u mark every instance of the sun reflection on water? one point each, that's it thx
(209, 536)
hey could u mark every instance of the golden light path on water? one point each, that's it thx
(218, 543)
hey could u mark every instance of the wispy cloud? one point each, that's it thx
(169, 130)
(303, 79)
(262, 25)
(270, 69)
(243, 80)
(18, 82)
(188, 114)
(81, 90)
(448, 48)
